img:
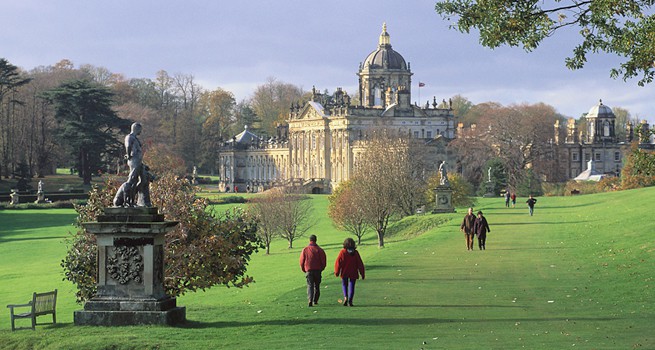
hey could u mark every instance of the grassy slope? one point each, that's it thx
(578, 273)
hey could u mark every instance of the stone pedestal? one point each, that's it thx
(443, 200)
(40, 197)
(130, 271)
(15, 198)
(490, 190)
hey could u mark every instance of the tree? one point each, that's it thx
(639, 168)
(292, 214)
(264, 209)
(624, 28)
(271, 102)
(10, 80)
(521, 137)
(87, 124)
(389, 177)
(204, 250)
(346, 210)
(498, 178)
(244, 115)
(622, 120)
(217, 112)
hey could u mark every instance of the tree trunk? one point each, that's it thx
(85, 168)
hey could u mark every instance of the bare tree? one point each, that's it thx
(347, 210)
(292, 214)
(271, 102)
(263, 207)
(389, 178)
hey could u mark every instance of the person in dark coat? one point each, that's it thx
(481, 227)
(349, 266)
(467, 228)
(531, 201)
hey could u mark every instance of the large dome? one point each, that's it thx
(600, 111)
(385, 57)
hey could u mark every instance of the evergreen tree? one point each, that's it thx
(87, 125)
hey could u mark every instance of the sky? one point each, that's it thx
(239, 44)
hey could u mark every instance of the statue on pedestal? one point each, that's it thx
(135, 192)
(442, 172)
(40, 195)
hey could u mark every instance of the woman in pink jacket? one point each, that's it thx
(349, 266)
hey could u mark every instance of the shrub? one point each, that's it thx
(202, 251)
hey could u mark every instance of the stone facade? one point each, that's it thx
(319, 146)
(598, 143)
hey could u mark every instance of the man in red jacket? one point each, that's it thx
(312, 263)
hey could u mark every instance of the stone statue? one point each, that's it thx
(195, 175)
(489, 174)
(442, 172)
(136, 190)
(40, 196)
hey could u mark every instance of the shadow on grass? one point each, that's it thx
(383, 321)
(535, 223)
(21, 239)
(27, 221)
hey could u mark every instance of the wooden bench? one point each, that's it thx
(41, 304)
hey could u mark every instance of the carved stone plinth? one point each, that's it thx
(40, 197)
(443, 200)
(130, 270)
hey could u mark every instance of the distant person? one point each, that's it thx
(507, 198)
(531, 201)
(349, 266)
(513, 197)
(312, 263)
(467, 228)
(481, 227)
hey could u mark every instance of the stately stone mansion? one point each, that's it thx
(321, 142)
(320, 145)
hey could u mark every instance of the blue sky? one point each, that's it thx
(237, 45)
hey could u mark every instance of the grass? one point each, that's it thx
(579, 273)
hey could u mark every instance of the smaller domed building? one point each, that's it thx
(596, 145)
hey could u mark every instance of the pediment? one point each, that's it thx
(312, 110)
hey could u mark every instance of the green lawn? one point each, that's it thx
(578, 274)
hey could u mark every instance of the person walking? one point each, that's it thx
(507, 198)
(349, 266)
(513, 197)
(481, 227)
(467, 228)
(312, 263)
(531, 201)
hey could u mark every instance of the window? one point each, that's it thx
(587, 156)
(428, 134)
(617, 156)
(416, 134)
(597, 157)
(574, 156)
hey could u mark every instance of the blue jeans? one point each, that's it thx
(348, 287)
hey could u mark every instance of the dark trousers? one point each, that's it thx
(482, 239)
(313, 285)
(469, 240)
